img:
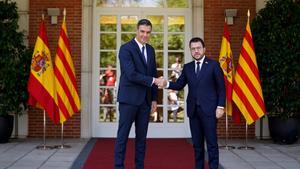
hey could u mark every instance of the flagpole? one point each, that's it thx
(246, 147)
(226, 147)
(62, 145)
(64, 13)
(44, 146)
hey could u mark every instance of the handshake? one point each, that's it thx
(160, 82)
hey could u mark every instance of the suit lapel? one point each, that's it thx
(136, 46)
(148, 55)
(190, 68)
(203, 68)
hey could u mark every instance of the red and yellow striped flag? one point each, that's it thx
(247, 91)
(65, 78)
(226, 63)
(41, 85)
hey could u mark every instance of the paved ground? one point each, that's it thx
(22, 154)
(266, 155)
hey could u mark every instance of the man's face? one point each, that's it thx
(143, 33)
(197, 50)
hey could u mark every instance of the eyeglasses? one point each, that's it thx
(196, 49)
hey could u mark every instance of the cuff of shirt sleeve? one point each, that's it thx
(153, 79)
(220, 107)
(167, 86)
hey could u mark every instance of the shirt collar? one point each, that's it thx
(140, 45)
(201, 60)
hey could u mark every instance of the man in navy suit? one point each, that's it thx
(205, 101)
(137, 93)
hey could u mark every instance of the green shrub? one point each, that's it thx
(276, 34)
(14, 61)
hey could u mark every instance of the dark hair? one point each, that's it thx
(196, 39)
(144, 22)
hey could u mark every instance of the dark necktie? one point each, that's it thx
(198, 69)
(143, 54)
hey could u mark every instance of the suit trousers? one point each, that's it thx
(204, 127)
(129, 114)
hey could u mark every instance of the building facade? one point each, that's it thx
(97, 28)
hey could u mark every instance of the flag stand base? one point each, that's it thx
(227, 147)
(246, 147)
(44, 147)
(62, 146)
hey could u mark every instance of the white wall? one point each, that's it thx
(23, 10)
(198, 18)
(260, 4)
(261, 126)
(86, 68)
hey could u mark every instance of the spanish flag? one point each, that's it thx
(247, 91)
(226, 63)
(65, 78)
(41, 85)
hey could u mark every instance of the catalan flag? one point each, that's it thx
(247, 91)
(226, 63)
(41, 85)
(65, 78)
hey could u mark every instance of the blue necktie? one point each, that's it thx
(198, 69)
(143, 54)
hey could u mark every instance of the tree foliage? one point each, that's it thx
(14, 61)
(277, 42)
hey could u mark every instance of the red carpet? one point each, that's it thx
(160, 154)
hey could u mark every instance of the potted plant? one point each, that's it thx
(277, 43)
(15, 60)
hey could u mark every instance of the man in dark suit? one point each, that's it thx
(205, 101)
(137, 93)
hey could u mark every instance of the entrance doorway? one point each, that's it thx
(170, 34)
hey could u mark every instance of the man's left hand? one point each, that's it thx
(219, 112)
(153, 106)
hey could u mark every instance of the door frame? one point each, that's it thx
(170, 130)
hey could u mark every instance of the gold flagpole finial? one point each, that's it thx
(248, 13)
(65, 13)
(43, 16)
(225, 20)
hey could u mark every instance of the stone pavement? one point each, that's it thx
(266, 155)
(22, 154)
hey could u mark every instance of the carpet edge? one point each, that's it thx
(83, 155)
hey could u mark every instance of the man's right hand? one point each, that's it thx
(160, 82)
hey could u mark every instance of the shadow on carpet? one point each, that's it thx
(160, 154)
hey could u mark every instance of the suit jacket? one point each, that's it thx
(206, 90)
(136, 75)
